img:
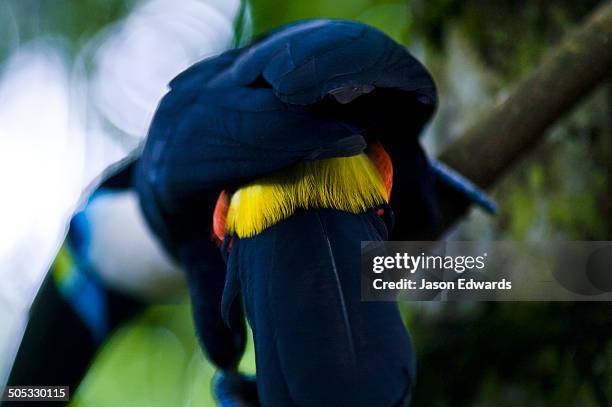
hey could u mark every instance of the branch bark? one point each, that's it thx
(569, 72)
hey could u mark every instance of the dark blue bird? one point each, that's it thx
(302, 144)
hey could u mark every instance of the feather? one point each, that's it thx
(452, 179)
(345, 313)
(351, 184)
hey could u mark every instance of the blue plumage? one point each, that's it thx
(453, 179)
(310, 90)
(248, 112)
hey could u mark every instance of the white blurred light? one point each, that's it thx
(138, 266)
(53, 143)
(39, 178)
(139, 56)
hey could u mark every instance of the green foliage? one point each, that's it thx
(391, 16)
(509, 35)
(153, 361)
(505, 354)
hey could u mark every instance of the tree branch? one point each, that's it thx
(567, 74)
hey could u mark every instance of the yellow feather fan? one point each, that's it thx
(351, 184)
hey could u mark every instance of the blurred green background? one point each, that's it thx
(502, 354)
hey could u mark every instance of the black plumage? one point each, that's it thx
(307, 91)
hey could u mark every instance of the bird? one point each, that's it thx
(263, 170)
